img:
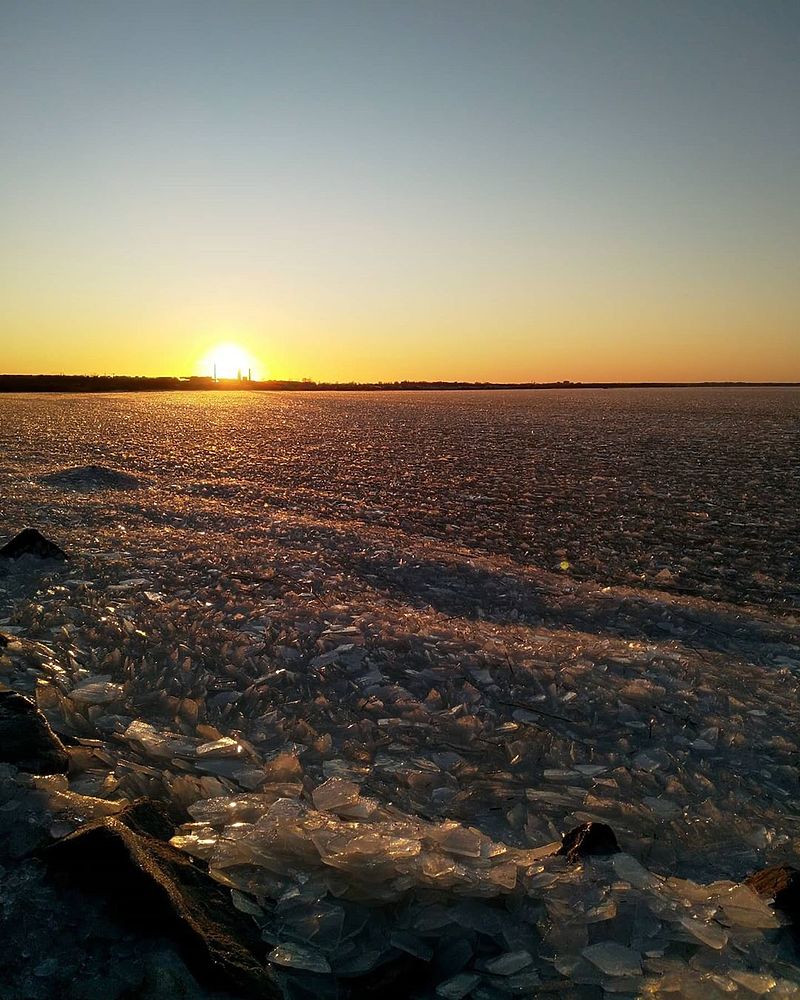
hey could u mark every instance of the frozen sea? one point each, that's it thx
(387, 647)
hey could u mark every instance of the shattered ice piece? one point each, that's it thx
(155, 743)
(523, 984)
(81, 807)
(338, 768)
(298, 956)
(97, 693)
(643, 762)
(662, 807)
(457, 987)
(220, 810)
(362, 809)
(200, 842)
(442, 797)
(629, 869)
(456, 839)
(283, 767)
(224, 747)
(363, 961)
(481, 676)
(244, 904)
(755, 982)
(132, 584)
(709, 934)
(250, 777)
(335, 793)
(603, 911)
(285, 810)
(614, 959)
(504, 876)
(509, 963)
(432, 918)
(744, 908)
(412, 945)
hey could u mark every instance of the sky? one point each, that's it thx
(380, 190)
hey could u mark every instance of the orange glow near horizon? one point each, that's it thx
(590, 348)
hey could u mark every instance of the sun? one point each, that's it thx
(230, 361)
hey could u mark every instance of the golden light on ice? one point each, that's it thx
(230, 361)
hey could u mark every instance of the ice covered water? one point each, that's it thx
(386, 649)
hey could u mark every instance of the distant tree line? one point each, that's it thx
(140, 383)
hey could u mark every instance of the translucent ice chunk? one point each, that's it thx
(509, 963)
(459, 840)
(158, 744)
(457, 987)
(744, 908)
(709, 934)
(412, 944)
(629, 869)
(335, 793)
(100, 693)
(297, 956)
(757, 983)
(614, 959)
(225, 747)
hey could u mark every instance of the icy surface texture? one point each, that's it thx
(387, 648)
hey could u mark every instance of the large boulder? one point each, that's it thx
(31, 542)
(156, 887)
(26, 739)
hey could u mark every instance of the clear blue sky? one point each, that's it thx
(565, 189)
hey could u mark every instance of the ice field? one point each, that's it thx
(380, 651)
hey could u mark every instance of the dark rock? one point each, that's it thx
(154, 886)
(26, 739)
(148, 818)
(587, 840)
(780, 884)
(31, 542)
(3, 640)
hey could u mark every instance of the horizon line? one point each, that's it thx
(49, 382)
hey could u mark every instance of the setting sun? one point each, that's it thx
(230, 361)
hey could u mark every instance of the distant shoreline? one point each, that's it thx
(134, 383)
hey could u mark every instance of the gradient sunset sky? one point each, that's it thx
(498, 190)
